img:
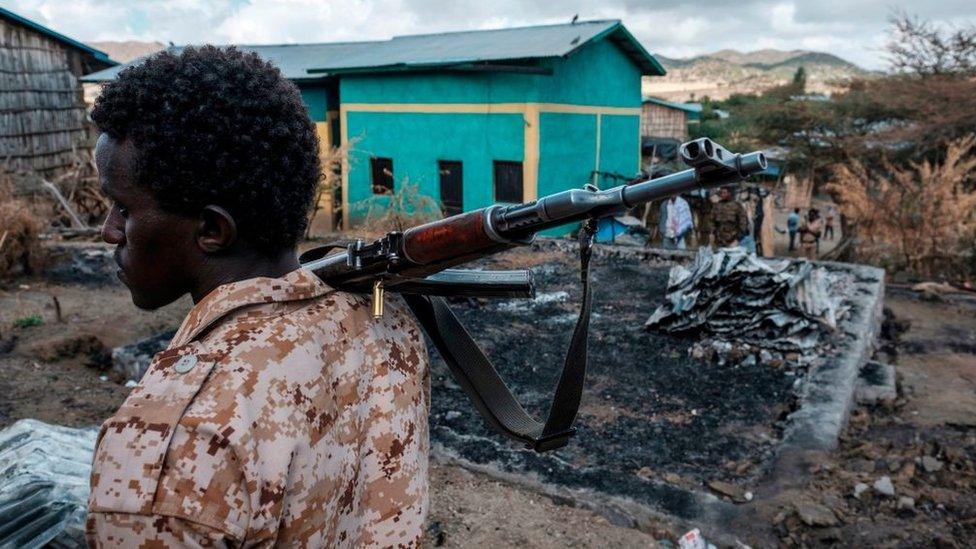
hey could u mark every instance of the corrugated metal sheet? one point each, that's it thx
(308, 61)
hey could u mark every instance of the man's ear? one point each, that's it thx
(217, 230)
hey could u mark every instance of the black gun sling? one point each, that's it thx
(482, 383)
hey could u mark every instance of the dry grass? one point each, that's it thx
(20, 229)
(406, 207)
(328, 198)
(921, 218)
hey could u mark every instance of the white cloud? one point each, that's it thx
(853, 29)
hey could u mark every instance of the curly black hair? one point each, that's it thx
(218, 126)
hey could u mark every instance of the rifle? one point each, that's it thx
(417, 263)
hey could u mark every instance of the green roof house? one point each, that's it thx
(474, 117)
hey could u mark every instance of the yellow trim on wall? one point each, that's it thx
(488, 108)
(344, 140)
(530, 154)
(596, 155)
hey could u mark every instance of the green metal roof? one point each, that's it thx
(443, 50)
(691, 108)
(97, 54)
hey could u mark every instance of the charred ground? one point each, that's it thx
(650, 411)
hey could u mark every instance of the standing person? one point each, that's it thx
(282, 412)
(727, 221)
(829, 223)
(792, 226)
(675, 222)
(810, 234)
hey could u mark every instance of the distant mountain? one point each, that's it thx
(124, 52)
(722, 73)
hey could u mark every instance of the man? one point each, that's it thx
(727, 220)
(810, 234)
(281, 413)
(792, 226)
(829, 223)
(675, 222)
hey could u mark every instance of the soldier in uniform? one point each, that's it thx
(726, 220)
(281, 413)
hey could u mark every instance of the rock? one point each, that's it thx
(733, 492)
(859, 489)
(931, 464)
(907, 471)
(906, 503)
(452, 415)
(863, 465)
(884, 486)
(815, 515)
(133, 360)
(749, 361)
(645, 473)
(131, 383)
(765, 356)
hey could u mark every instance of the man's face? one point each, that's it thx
(724, 194)
(155, 249)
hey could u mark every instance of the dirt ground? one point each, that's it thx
(924, 443)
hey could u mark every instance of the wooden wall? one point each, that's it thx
(42, 108)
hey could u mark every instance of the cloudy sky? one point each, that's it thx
(852, 29)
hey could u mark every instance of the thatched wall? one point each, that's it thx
(42, 109)
(661, 121)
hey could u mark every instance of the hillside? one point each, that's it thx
(725, 72)
(124, 52)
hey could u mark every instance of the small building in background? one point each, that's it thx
(474, 118)
(43, 120)
(664, 119)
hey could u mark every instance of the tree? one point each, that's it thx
(800, 79)
(922, 48)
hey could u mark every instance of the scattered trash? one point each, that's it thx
(131, 383)
(859, 489)
(102, 378)
(44, 484)
(692, 540)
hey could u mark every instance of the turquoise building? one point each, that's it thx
(474, 118)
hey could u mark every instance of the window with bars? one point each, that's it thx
(381, 173)
(452, 180)
(508, 181)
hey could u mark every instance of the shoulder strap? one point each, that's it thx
(482, 383)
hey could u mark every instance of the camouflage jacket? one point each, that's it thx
(281, 413)
(728, 221)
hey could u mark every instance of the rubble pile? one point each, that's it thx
(44, 472)
(772, 311)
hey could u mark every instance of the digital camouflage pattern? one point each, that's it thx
(728, 221)
(281, 413)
